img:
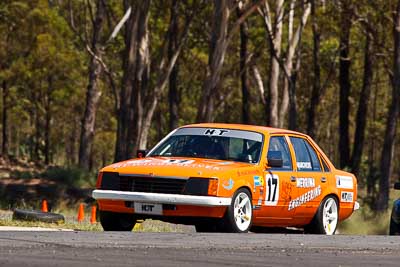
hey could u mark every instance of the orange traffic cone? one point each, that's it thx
(81, 213)
(93, 215)
(44, 205)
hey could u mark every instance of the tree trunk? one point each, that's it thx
(47, 127)
(4, 145)
(290, 82)
(362, 112)
(36, 152)
(292, 96)
(141, 78)
(244, 38)
(275, 52)
(288, 65)
(164, 70)
(316, 91)
(391, 124)
(134, 79)
(216, 58)
(93, 92)
(135, 82)
(173, 93)
(345, 86)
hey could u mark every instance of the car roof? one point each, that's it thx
(255, 128)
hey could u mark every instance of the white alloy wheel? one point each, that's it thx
(242, 211)
(330, 216)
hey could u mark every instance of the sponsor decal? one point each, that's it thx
(218, 132)
(256, 207)
(346, 197)
(251, 172)
(258, 181)
(306, 197)
(305, 182)
(345, 182)
(304, 165)
(228, 185)
(271, 190)
(167, 162)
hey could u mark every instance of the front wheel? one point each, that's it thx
(326, 219)
(112, 221)
(239, 215)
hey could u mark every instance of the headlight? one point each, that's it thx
(201, 186)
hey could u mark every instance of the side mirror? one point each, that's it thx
(275, 159)
(141, 153)
(397, 186)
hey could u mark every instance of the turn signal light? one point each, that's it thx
(212, 186)
(99, 178)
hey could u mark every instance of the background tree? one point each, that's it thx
(327, 68)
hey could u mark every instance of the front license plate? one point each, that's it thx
(148, 208)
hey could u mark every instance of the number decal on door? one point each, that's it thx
(272, 190)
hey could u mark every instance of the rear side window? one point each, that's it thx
(326, 168)
(306, 157)
(278, 143)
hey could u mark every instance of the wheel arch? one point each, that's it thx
(332, 194)
(245, 187)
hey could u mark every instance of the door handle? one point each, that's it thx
(323, 179)
(292, 179)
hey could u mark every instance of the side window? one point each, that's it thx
(278, 143)
(307, 159)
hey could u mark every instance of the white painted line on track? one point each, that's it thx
(33, 229)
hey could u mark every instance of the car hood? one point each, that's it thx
(178, 166)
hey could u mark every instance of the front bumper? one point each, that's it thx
(206, 201)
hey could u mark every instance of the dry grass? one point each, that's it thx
(72, 223)
(367, 222)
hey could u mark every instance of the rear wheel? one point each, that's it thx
(239, 215)
(326, 219)
(112, 221)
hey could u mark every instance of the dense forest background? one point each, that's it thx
(87, 82)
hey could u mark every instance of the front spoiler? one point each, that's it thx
(162, 198)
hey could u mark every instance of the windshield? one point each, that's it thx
(222, 144)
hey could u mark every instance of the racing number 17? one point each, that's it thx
(272, 190)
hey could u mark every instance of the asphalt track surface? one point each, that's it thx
(195, 249)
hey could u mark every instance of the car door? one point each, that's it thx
(277, 183)
(310, 178)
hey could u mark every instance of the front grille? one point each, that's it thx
(152, 185)
(149, 184)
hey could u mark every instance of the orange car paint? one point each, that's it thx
(300, 193)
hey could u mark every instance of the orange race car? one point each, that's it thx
(228, 178)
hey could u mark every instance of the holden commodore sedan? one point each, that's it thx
(228, 178)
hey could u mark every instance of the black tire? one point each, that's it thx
(317, 224)
(113, 221)
(228, 222)
(38, 216)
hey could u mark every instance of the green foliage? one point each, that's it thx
(44, 41)
(70, 176)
